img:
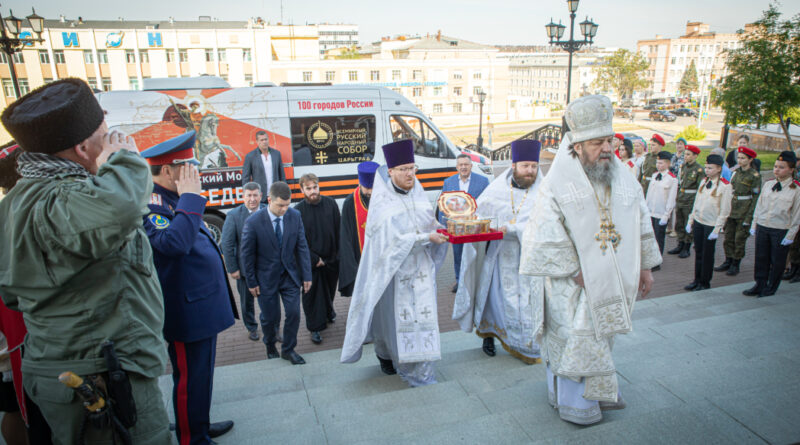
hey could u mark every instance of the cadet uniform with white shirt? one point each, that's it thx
(661, 194)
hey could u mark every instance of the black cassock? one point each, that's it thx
(349, 249)
(321, 222)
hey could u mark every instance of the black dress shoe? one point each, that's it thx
(768, 292)
(488, 346)
(455, 288)
(217, 429)
(753, 291)
(691, 286)
(272, 351)
(332, 319)
(253, 335)
(387, 367)
(701, 287)
(792, 272)
(293, 357)
(316, 338)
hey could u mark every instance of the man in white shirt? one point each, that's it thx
(263, 165)
(662, 191)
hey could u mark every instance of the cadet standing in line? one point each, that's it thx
(691, 176)
(660, 198)
(198, 301)
(775, 225)
(745, 187)
(649, 165)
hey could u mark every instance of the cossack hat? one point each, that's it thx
(714, 159)
(665, 155)
(366, 173)
(54, 117)
(525, 150)
(752, 154)
(693, 149)
(789, 157)
(589, 117)
(399, 153)
(177, 150)
(657, 137)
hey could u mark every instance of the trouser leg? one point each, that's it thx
(681, 216)
(457, 250)
(697, 233)
(762, 257)
(247, 304)
(660, 233)
(729, 244)
(777, 258)
(708, 256)
(742, 233)
(192, 377)
(290, 294)
(270, 317)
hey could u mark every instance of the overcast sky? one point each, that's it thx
(622, 22)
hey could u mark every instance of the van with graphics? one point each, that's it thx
(326, 130)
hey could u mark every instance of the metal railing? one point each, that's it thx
(549, 135)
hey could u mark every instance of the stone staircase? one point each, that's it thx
(706, 367)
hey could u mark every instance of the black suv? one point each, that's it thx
(685, 112)
(662, 115)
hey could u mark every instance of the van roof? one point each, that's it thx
(184, 83)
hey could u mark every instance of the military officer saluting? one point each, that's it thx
(775, 225)
(692, 175)
(649, 164)
(198, 302)
(745, 185)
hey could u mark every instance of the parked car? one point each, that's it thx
(623, 112)
(662, 115)
(684, 112)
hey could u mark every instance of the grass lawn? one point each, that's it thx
(767, 157)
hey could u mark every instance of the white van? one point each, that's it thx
(326, 130)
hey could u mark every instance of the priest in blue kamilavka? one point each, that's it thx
(590, 237)
(492, 296)
(394, 296)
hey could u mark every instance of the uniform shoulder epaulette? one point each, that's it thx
(630, 163)
(155, 199)
(672, 174)
(795, 183)
(724, 181)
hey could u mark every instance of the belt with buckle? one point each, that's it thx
(744, 198)
(689, 191)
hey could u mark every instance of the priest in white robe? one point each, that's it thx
(394, 297)
(591, 238)
(492, 295)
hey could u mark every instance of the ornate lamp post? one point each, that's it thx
(481, 98)
(556, 31)
(10, 43)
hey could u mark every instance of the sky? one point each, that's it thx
(497, 22)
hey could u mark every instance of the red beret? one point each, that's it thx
(693, 149)
(659, 139)
(619, 136)
(748, 152)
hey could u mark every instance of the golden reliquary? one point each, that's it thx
(459, 210)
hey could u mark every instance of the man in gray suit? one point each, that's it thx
(263, 165)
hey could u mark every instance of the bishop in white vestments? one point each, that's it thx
(591, 238)
(492, 295)
(394, 296)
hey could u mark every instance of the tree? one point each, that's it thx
(622, 72)
(763, 82)
(688, 81)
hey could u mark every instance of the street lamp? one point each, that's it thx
(10, 43)
(481, 98)
(556, 31)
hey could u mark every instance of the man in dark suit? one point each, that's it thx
(231, 239)
(276, 264)
(467, 182)
(198, 301)
(263, 165)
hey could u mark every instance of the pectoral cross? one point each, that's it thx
(607, 233)
(574, 196)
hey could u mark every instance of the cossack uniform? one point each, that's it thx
(198, 302)
(692, 175)
(745, 187)
(649, 163)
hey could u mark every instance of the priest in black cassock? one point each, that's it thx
(321, 221)
(354, 220)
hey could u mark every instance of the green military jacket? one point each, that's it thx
(647, 170)
(77, 263)
(745, 187)
(692, 175)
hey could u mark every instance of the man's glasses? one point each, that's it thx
(406, 170)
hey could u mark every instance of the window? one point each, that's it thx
(130, 57)
(397, 90)
(416, 92)
(416, 75)
(395, 74)
(306, 76)
(672, 61)
(44, 57)
(247, 55)
(92, 82)
(426, 141)
(476, 91)
(88, 56)
(102, 56)
(58, 56)
(375, 75)
(477, 75)
(248, 80)
(456, 108)
(209, 55)
(326, 140)
(17, 58)
(24, 86)
(47, 80)
(8, 88)
(330, 76)
(457, 75)
(437, 108)
(437, 91)
(170, 56)
(106, 86)
(183, 55)
(352, 75)
(222, 55)
(456, 91)
(134, 83)
(683, 48)
(144, 56)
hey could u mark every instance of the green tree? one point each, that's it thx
(763, 83)
(688, 81)
(349, 53)
(622, 72)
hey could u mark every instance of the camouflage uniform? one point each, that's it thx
(647, 170)
(692, 175)
(746, 185)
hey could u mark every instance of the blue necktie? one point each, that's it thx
(278, 231)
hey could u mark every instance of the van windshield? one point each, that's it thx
(426, 142)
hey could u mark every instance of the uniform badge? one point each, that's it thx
(155, 199)
(159, 221)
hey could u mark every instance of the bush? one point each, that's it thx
(691, 133)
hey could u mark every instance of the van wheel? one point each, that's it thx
(214, 223)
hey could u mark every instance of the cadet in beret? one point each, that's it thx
(649, 163)
(745, 187)
(775, 225)
(81, 270)
(692, 174)
(198, 301)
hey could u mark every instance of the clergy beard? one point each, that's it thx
(313, 198)
(600, 173)
(524, 181)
